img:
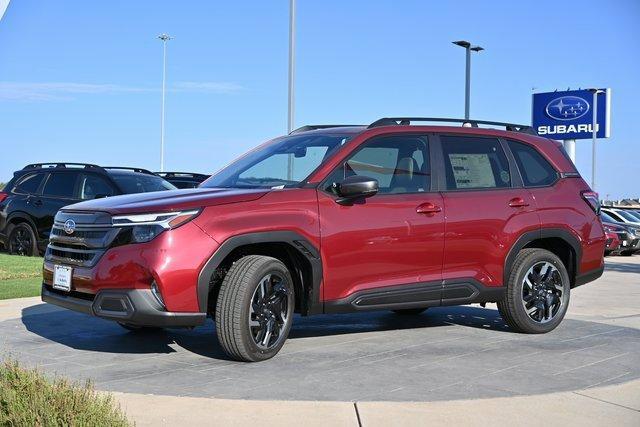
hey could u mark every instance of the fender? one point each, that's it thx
(23, 216)
(543, 233)
(296, 241)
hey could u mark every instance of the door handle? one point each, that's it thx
(518, 202)
(428, 208)
(37, 203)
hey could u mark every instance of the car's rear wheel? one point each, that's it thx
(410, 311)
(22, 240)
(254, 311)
(537, 294)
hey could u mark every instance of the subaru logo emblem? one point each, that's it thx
(567, 108)
(69, 226)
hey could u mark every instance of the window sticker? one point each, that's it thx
(472, 170)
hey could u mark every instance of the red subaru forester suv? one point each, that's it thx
(335, 219)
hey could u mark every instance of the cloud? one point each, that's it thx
(65, 91)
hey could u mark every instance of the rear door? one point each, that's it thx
(23, 194)
(485, 212)
(60, 189)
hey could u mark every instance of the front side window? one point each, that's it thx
(29, 184)
(61, 184)
(284, 163)
(94, 186)
(400, 164)
(474, 163)
(535, 169)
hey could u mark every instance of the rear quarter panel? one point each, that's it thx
(562, 206)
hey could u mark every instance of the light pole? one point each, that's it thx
(292, 65)
(164, 37)
(467, 87)
(594, 132)
(292, 75)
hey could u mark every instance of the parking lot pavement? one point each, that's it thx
(446, 354)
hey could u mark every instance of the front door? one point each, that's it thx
(392, 239)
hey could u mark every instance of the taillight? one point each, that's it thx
(3, 196)
(591, 197)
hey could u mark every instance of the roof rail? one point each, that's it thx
(139, 170)
(314, 127)
(405, 121)
(174, 174)
(61, 165)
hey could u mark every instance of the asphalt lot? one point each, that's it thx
(444, 354)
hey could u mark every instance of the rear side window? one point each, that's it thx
(535, 169)
(474, 163)
(61, 184)
(94, 186)
(29, 184)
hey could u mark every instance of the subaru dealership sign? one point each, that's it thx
(569, 114)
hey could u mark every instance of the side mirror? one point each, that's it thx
(355, 187)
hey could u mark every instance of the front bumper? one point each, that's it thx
(132, 306)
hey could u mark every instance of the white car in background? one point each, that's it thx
(622, 215)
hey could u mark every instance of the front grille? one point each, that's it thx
(92, 236)
(78, 234)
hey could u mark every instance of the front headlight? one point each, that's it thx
(146, 227)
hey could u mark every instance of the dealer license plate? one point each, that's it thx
(62, 277)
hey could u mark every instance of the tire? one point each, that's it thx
(548, 300)
(22, 240)
(410, 311)
(139, 329)
(626, 253)
(256, 296)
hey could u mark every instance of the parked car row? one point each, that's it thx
(622, 228)
(30, 200)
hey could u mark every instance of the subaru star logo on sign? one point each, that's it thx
(569, 114)
(69, 226)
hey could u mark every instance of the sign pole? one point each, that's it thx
(594, 133)
(570, 149)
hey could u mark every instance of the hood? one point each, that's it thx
(167, 201)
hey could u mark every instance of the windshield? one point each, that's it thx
(286, 162)
(141, 183)
(606, 217)
(626, 215)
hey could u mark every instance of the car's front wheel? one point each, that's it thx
(537, 294)
(254, 311)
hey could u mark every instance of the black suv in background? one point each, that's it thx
(183, 179)
(29, 202)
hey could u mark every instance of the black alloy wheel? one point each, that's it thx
(22, 241)
(269, 311)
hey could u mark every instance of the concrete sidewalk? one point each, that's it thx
(617, 405)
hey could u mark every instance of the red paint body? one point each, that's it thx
(388, 240)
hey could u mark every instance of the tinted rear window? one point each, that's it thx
(535, 169)
(131, 183)
(60, 184)
(29, 184)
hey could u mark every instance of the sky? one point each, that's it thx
(80, 80)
